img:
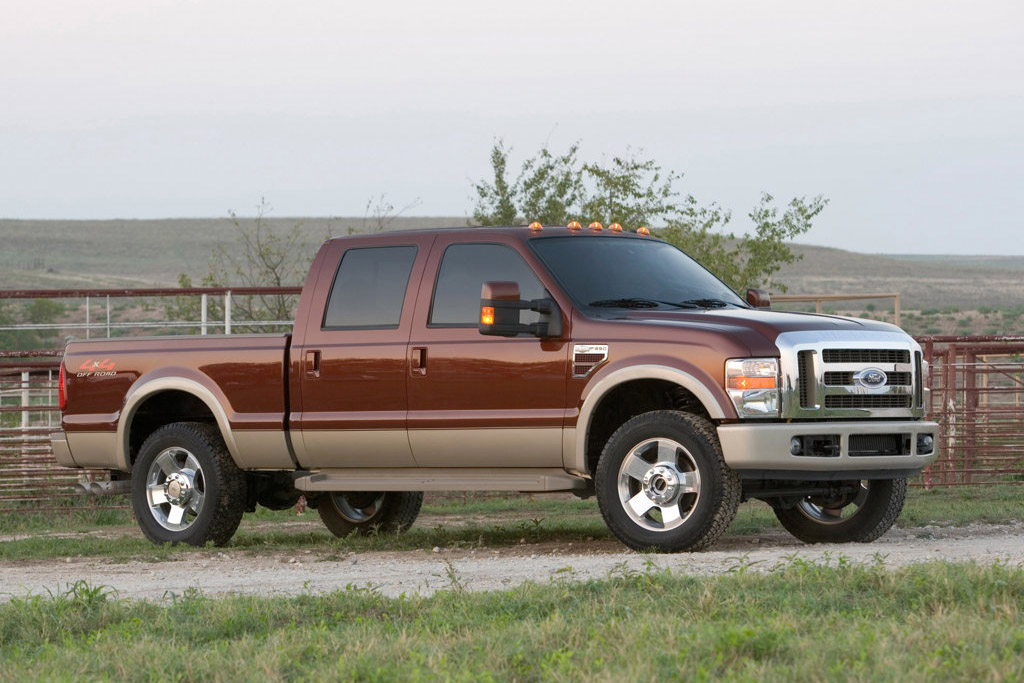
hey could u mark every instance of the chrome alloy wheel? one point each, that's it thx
(658, 484)
(358, 507)
(834, 510)
(175, 489)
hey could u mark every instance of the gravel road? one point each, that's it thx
(427, 570)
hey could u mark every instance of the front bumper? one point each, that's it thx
(763, 450)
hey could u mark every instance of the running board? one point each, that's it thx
(439, 479)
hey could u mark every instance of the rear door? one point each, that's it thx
(475, 400)
(352, 360)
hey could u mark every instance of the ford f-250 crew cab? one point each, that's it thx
(520, 359)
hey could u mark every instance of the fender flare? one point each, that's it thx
(577, 442)
(138, 394)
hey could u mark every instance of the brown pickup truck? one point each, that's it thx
(599, 362)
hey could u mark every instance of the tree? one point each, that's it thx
(262, 257)
(548, 189)
(635, 191)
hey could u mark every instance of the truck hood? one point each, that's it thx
(766, 325)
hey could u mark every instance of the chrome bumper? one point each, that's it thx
(765, 448)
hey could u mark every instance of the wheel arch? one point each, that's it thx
(628, 392)
(165, 400)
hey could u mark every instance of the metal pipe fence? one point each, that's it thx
(30, 478)
(977, 397)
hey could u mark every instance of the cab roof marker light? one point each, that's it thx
(536, 226)
(615, 227)
(574, 226)
(596, 227)
(642, 230)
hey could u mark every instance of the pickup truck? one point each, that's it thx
(602, 362)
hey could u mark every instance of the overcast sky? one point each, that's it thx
(906, 115)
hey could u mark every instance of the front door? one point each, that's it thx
(475, 400)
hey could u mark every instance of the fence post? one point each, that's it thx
(227, 312)
(88, 326)
(205, 309)
(25, 400)
(108, 316)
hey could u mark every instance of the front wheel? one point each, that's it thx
(367, 512)
(860, 515)
(185, 486)
(663, 484)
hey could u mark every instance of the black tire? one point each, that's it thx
(369, 512)
(859, 517)
(185, 486)
(684, 498)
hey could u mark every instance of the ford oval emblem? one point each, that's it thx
(871, 378)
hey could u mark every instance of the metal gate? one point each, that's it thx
(978, 400)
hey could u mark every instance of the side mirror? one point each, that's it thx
(759, 298)
(499, 312)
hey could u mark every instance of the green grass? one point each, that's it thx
(457, 522)
(803, 621)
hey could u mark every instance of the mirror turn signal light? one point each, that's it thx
(487, 315)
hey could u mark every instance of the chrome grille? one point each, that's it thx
(838, 375)
(805, 359)
(893, 379)
(868, 401)
(866, 356)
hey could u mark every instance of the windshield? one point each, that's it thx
(616, 272)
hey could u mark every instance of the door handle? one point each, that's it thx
(312, 364)
(418, 361)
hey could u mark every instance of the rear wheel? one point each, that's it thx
(366, 512)
(662, 483)
(185, 486)
(859, 515)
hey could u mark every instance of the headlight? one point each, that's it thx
(753, 386)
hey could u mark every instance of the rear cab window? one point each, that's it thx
(369, 288)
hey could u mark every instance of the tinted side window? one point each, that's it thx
(464, 268)
(369, 288)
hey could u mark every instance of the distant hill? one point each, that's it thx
(136, 253)
(924, 282)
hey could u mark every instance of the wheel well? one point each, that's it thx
(630, 399)
(164, 408)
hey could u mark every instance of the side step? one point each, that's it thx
(440, 479)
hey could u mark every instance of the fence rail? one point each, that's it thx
(977, 397)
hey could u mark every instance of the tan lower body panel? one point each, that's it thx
(352, 448)
(441, 479)
(95, 449)
(61, 452)
(262, 449)
(513, 447)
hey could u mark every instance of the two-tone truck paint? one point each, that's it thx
(514, 359)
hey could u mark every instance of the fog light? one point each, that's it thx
(796, 446)
(925, 444)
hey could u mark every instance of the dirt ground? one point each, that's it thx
(427, 570)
